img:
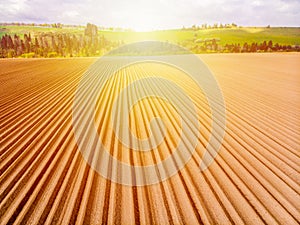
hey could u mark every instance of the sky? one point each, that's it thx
(142, 15)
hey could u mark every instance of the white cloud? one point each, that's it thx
(154, 13)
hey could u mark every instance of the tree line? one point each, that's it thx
(205, 26)
(56, 44)
(211, 45)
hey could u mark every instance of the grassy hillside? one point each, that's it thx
(286, 36)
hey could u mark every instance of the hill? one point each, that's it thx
(198, 40)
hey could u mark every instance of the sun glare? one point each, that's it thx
(142, 23)
(141, 17)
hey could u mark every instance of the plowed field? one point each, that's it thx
(255, 178)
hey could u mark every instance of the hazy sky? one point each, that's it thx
(155, 14)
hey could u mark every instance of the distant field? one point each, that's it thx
(234, 35)
(286, 36)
